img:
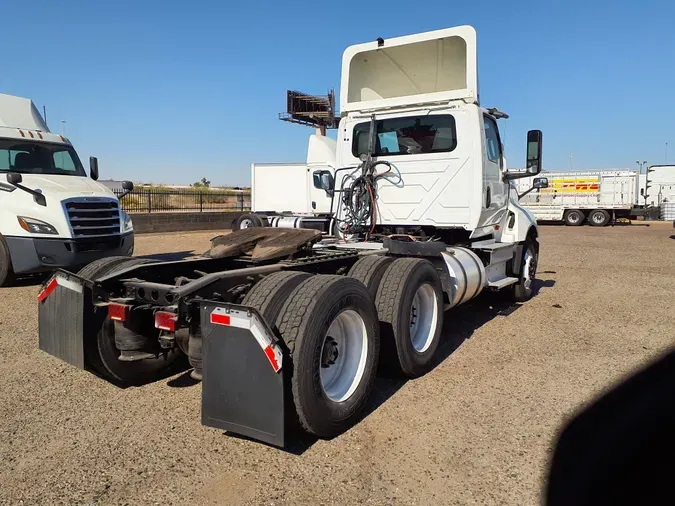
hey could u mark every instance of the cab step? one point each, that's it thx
(502, 283)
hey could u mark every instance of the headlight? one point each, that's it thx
(36, 226)
(127, 224)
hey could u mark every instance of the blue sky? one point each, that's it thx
(172, 91)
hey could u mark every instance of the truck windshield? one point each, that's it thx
(27, 157)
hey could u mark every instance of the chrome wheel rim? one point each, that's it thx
(423, 317)
(343, 356)
(598, 217)
(529, 269)
(246, 223)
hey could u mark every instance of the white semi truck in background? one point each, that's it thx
(286, 326)
(51, 214)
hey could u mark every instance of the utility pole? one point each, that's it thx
(63, 127)
(665, 158)
(571, 161)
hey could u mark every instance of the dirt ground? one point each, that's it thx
(478, 429)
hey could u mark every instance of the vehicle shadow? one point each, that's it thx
(459, 325)
(30, 280)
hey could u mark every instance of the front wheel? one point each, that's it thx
(524, 289)
(6, 271)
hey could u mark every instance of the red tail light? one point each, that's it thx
(118, 312)
(165, 320)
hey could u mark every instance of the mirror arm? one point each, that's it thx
(37, 196)
(521, 195)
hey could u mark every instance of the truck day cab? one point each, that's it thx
(287, 325)
(51, 214)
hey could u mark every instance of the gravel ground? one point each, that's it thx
(478, 429)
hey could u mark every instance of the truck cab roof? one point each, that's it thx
(20, 119)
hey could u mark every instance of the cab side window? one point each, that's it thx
(492, 144)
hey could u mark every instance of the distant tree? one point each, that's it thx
(204, 183)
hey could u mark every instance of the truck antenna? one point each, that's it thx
(44, 114)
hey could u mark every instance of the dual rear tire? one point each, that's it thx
(409, 300)
(328, 326)
(101, 352)
(596, 218)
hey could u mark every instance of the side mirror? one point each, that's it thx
(323, 180)
(93, 167)
(327, 181)
(533, 163)
(537, 184)
(540, 182)
(127, 185)
(14, 178)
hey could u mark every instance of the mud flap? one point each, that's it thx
(243, 383)
(66, 314)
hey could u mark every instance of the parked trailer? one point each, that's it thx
(287, 327)
(577, 197)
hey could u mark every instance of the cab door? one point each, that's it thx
(495, 189)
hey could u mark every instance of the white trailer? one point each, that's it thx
(290, 195)
(51, 214)
(576, 197)
(291, 325)
(658, 185)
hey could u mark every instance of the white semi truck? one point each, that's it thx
(287, 326)
(51, 214)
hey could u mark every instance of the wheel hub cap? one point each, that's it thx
(424, 314)
(529, 269)
(343, 356)
(330, 352)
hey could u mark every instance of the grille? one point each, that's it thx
(91, 217)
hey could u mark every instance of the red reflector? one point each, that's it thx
(118, 312)
(39, 135)
(272, 358)
(47, 290)
(31, 134)
(165, 321)
(22, 134)
(220, 319)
